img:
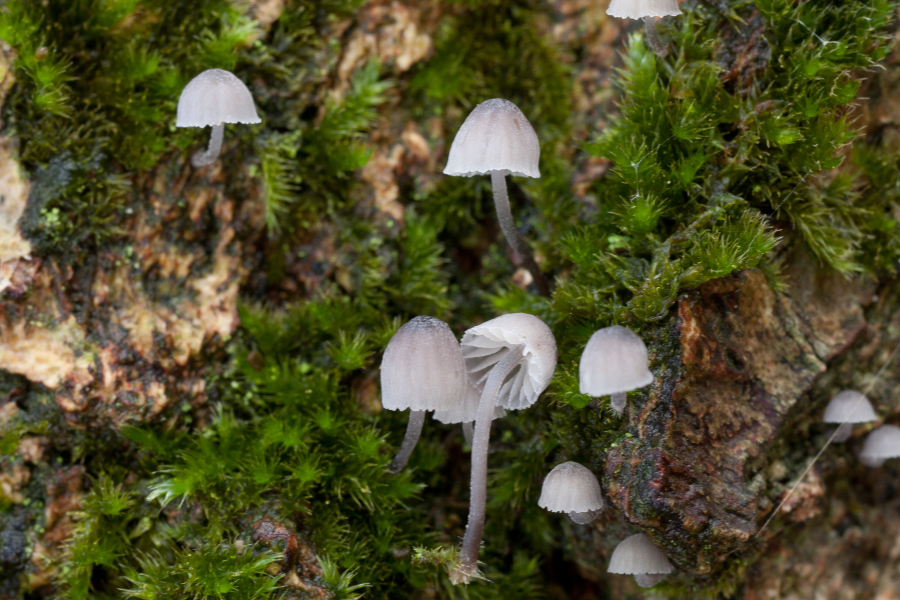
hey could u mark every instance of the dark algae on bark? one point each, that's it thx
(189, 382)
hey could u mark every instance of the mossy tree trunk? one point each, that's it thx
(189, 357)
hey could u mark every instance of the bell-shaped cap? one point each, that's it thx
(614, 360)
(638, 554)
(423, 368)
(467, 412)
(496, 136)
(214, 97)
(881, 444)
(487, 344)
(571, 487)
(849, 407)
(638, 9)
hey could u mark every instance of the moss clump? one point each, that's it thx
(741, 138)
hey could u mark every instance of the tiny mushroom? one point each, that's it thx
(572, 488)
(496, 139)
(511, 360)
(614, 362)
(638, 555)
(422, 369)
(847, 408)
(881, 444)
(647, 10)
(466, 414)
(213, 98)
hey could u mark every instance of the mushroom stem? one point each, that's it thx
(469, 431)
(618, 400)
(413, 431)
(467, 565)
(583, 518)
(206, 157)
(648, 580)
(504, 215)
(843, 433)
(656, 44)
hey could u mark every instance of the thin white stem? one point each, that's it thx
(413, 431)
(467, 566)
(845, 430)
(618, 401)
(656, 44)
(508, 225)
(206, 157)
(828, 442)
(469, 431)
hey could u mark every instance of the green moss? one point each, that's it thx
(738, 139)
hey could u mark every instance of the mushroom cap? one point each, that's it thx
(486, 345)
(881, 443)
(495, 136)
(849, 407)
(638, 9)
(638, 554)
(467, 412)
(571, 487)
(614, 360)
(214, 97)
(423, 368)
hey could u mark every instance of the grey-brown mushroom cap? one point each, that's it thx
(485, 345)
(881, 443)
(613, 361)
(423, 368)
(571, 487)
(214, 97)
(638, 554)
(849, 406)
(496, 136)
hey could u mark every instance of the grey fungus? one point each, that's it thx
(846, 408)
(572, 488)
(647, 10)
(613, 363)
(880, 445)
(637, 555)
(212, 99)
(497, 139)
(511, 360)
(486, 345)
(422, 370)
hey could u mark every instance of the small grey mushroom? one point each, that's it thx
(637, 555)
(423, 370)
(211, 99)
(614, 362)
(572, 488)
(846, 408)
(511, 360)
(647, 10)
(496, 139)
(881, 444)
